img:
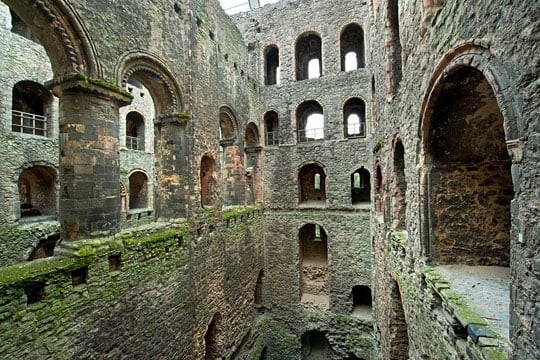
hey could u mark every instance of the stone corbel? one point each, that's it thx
(515, 150)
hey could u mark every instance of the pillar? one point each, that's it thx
(90, 204)
(171, 167)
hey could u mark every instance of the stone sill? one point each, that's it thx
(483, 342)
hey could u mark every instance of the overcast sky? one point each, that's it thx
(234, 6)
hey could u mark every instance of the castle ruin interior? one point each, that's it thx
(294, 179)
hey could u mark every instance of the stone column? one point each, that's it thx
(233, 186)
(90, 202)
(171, 166)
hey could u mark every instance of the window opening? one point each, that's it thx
(37, 192)
(310, 121)
(311, 179)
(34, 293)
(272, 128)
(138, 190)
(352, 48)
(314, 69)
(135, 131)
(272, 66)
(317, 182)
(79, 276)
(313, 258)
(360, 186)
(354, 113)
(115, 262)
(308, 57)
(351, 61)
(29, 102)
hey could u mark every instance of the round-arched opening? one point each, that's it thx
(138, 191)
(354, 116)
(470, 183)
(352, 48)
(308, 51)
(30, 107)
(37, 191)
(310, 121)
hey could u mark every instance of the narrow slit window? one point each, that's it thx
(317, 182)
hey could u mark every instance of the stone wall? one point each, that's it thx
(137, 293)
(437, 38)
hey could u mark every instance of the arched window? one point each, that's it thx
(311, 179)
(135, 131)
(378, 183)
(138, 190)
(310, 121)
(393, 48)
(352, 48)
(252, 158)
(271, 124)
(30, 102)
(271, 59)
(399, 186)
(308, 56)
(208, 181)
(354, 115)
(227, 125)
(360, 186)
(37, 191)
(313, 264)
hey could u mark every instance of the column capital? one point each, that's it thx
(76, 83)
(174, 118)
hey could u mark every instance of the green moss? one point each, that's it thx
(172, 235)
(38, 270)
(102, 84)
(380, 143)
(183, 118)
(239, 211)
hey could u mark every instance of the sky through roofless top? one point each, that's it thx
(236, 6)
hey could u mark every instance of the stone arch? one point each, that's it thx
(467, 163)
(308, 47)
(208, 180)
(31, 108)
(360, 186)
(271, 65)
(495, 73)
(252, 148)
(271, 128)
(64, 36)
(312, 188)
(135, 130)
(252, 137)
(351, 40)
(37, 187)
(309, 115)
(399, 185)
(313, 259)
(354, 117)
(139, 190)
(146, 67)
(228, 125)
